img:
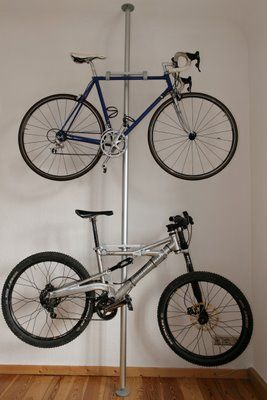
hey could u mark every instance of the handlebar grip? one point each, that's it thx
(184, 221)
(179, 221)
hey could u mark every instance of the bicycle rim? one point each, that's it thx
(225, 331)
(63, 159)
(197, 143)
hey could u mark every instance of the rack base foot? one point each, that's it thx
(122, 392)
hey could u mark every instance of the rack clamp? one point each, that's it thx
(143, 75)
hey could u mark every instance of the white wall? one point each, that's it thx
(38, 214)
(257, 29)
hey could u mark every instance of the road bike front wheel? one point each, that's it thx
(194, 138)
(28, 312)
(209, 333)
(45, 137)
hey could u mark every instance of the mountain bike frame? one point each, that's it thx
(175, 242)
(113, 77)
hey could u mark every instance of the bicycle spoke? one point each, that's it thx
(173, 120)
(181, 152)
(208, 129)
(44, 143)
(183, 319)
(171, 126)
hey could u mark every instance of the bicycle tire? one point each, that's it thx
(171, 310)
(42, 151)
(205, 148)
(23, 311)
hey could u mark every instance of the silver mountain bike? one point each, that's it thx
(49, 298)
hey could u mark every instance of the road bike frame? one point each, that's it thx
(113, 77)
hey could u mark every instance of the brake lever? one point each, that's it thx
(188, 218)
(194, 56)
(187, 81)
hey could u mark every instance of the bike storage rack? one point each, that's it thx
(122, 391)
(204, 314)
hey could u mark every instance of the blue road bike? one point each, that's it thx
(191, 135)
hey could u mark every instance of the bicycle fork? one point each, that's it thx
(184, 124)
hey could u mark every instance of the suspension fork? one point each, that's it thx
(189, 265)
(190, 268)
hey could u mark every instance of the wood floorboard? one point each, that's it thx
(36, 387)
(242, 390)
(6, 381)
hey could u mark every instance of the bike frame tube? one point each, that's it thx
(95, 82)
(85, 286)
(157, 257)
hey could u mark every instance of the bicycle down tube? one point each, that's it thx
(95, 82)
(158, 256)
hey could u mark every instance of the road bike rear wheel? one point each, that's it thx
(43, 143)
(210, 333)
(28, 312)
(196, 144)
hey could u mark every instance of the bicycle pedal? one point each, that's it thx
(104, 165)
(128, 302)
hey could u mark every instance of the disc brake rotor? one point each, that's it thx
(212, 321)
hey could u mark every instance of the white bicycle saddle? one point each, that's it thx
(85, 58)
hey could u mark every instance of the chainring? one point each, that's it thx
(113, 143)
(100, 309)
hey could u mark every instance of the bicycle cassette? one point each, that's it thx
(113, 143)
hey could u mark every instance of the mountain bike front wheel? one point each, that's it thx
(194, 138)
(45, 137)
(209, 333)
(29, 313)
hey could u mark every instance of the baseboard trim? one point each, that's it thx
(211, 373)
(259, 384)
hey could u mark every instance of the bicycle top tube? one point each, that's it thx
(120, 77)
(130, 77)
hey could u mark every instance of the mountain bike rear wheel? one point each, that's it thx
(213, 332)
(195, 139)
(44, 145)
(29, 313)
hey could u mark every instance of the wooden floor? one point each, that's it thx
(34, 387)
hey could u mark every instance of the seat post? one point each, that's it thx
(93, 220)
(92, 68)
(97, 250)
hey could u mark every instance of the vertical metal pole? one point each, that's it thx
(122, 391)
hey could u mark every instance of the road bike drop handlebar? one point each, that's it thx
(182, 61)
